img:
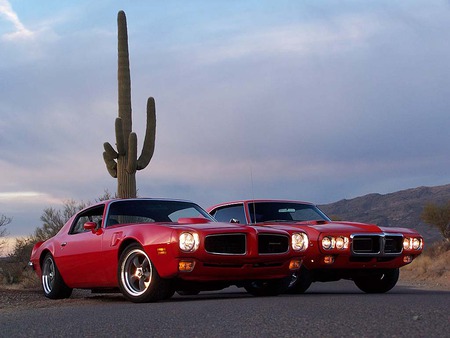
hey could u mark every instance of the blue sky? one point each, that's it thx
(306, 100)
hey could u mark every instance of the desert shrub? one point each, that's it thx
(4, 221)
(14, 268)
(439, 217)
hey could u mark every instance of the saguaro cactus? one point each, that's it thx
(123, 162)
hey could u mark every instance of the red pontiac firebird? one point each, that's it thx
(150, 248)
(365, 253)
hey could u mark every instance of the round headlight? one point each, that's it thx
(416, 243)
(327, 243)
(406, 243)
(340, 243)
(299, 241)
(189, 241)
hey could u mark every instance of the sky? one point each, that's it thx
(304, 100)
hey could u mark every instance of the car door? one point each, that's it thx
(79, 257)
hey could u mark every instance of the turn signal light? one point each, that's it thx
(295, 264)
(186, 266)
(328, 259)
(407, 259)
(161, 251)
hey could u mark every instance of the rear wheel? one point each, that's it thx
(138, 279)
(270, 287)
(300, 282)
(52, 283)
(379, 282)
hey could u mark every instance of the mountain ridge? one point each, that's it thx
(397, 209)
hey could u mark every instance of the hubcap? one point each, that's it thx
(48, 275)
(136, 272)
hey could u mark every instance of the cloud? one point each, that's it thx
(310, 106)
(301, 39)
(21, 31)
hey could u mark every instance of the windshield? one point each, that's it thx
(284, 211)
(149, 211)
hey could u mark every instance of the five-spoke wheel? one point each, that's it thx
(51, 280)
(138, 279)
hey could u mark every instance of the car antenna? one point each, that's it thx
(253, 196)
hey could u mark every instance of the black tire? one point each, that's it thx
(138, 279)
(379, 282)
(300, 282)
(270, 287)
(51, 281)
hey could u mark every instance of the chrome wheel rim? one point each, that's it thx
(136, 272)
(294, 279)
(48, 275)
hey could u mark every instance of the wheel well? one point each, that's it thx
(43, 254)
(124, 244)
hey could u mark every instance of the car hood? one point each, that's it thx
(347, 227)
(352, 227)
(222, 227)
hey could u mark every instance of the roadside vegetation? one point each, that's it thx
(14, 267)
(430, 268)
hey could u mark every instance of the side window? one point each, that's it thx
(226, 214)
(91, 215)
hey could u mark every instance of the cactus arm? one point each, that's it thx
(132, 154)
(109, 150)
(150, 134)
(111, 165)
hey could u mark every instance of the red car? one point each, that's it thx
(365, 253)
(150, 248)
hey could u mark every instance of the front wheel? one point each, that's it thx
(270, 287)
(379, 282)
(138, 279)
(52, 283)
(300, 282)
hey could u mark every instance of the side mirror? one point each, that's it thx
(90, 226)
(234, 221)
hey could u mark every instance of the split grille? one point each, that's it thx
(272, 244)
(377, 244)
(226, 244)
(236, 244)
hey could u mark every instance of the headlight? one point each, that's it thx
(339, 243)
(327, 243)
(189, 241)
(412, 243)
(406, 243)
(416, 243)
(299, 241)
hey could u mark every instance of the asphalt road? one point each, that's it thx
(326, 310)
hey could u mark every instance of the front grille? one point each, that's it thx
(226, 244)
(377, 244)
(272, 244)
(394, 244)
(366, 244)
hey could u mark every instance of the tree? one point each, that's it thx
(438, 216)
(4, 221)
(54, 219)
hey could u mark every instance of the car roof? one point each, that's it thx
(258, 201)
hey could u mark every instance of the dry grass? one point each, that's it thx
(431, 267)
